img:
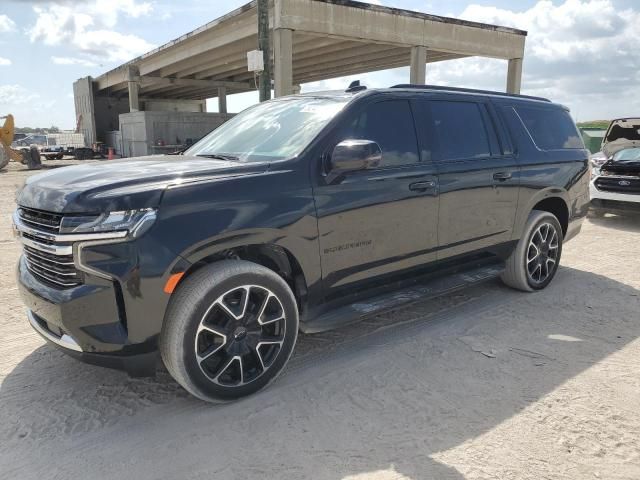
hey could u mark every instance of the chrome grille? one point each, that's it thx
(49, 260)
(618, 184)
(58, 270)
(49, 222)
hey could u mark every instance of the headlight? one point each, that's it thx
(136, 222)
(598, 159)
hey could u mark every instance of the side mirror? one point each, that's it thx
(354, 155)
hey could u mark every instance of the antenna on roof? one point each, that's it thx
(355, 87)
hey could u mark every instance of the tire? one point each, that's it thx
(229, 310)
(33, 159)
(543, 257)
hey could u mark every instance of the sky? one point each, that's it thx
(582, 53)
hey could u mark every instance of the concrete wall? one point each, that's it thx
(142, 131)
(85, 112)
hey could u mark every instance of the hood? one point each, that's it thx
(626, 162)
(114, 185)
(622, 133)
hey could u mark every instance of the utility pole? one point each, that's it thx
(264, 44)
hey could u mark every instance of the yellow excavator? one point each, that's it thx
(7, 131)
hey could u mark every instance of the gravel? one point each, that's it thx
(486, 383)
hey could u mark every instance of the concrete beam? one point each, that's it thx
(418, 71)
(514, 75)
(194, 64)
(238, 66)
(190, 82)
(283, 61)
(371, 23)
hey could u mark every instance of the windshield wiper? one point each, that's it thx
(217, 156)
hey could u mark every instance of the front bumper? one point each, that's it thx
(85, 322)
(613, 201)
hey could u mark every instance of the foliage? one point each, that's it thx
(51, 129)
(601, 124)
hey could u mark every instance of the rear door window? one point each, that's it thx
(550, 128)
(390, 124)
(461, 130)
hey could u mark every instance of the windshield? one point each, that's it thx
(628, 154)
(270, 131)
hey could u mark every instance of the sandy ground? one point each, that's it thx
(487, 383)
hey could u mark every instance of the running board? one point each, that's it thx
(421, 290)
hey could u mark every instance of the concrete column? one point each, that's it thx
(222, 99)
(418, 74)
(514, 75)
(283, 61)
(133, 82)
(134, 93)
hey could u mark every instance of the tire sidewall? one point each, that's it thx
(260, 277)
(543, 217)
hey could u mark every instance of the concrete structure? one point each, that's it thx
(311, 40)
(158, 132)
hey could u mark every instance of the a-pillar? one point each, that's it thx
(133, 82)
(514, 75)
(222, 99)
(418, 73)
(283, 61)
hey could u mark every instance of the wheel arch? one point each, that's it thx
(558, 207)
(555, 201)
(270, 255)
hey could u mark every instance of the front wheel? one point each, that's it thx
(229, 330)
(535, 261)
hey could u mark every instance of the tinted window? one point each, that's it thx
(550, 128)
(460, 130)
(390, 124)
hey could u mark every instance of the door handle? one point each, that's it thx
(422, 186)
(502, 176)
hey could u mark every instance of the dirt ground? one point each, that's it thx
(486, 383)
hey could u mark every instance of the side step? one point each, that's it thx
(421, 290)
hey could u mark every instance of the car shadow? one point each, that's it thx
(628, 222)
(386, 395)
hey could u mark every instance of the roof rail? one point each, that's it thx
(468, 90)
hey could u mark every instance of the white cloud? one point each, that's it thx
(88, 28)
(4, 62)
(6, 24)
(73, 61)
(16, 95)
(584, 53)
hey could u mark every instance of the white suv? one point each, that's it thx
(615, 184)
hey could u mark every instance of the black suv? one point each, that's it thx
(302, 213)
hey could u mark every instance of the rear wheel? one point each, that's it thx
(229, 330)
(535, 261)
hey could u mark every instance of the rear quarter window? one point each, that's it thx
(550, 128)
